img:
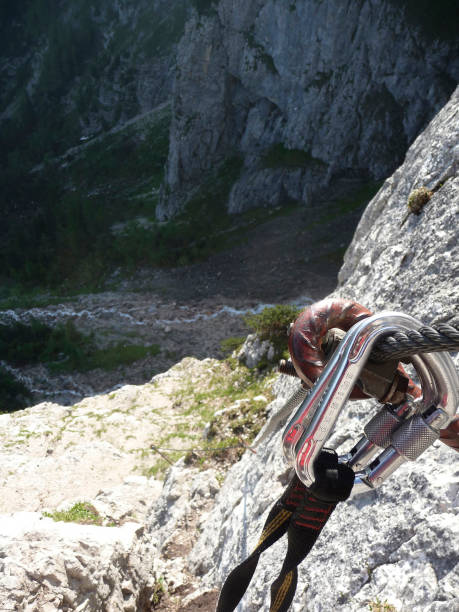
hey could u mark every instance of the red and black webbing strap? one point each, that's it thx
(302, 514)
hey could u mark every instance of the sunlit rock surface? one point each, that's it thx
(397, 545)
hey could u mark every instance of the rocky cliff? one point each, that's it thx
(393, 549)
(303, 92)
(396, 547)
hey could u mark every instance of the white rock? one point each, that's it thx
(397, 544)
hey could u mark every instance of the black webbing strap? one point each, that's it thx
(302, 513)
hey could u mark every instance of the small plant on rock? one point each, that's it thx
(81, 512)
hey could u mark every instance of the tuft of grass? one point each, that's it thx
(381, 606)
(81, 512)
(159, 590)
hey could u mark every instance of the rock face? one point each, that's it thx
(391, 549)
(395, 546)
(304, 92)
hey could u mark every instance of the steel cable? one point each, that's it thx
(401, 345)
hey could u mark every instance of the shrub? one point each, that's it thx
(272, 323)
(36, 342)
(63, 348)
(228, 345)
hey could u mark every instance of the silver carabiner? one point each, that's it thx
(401, 435)
(313, 421)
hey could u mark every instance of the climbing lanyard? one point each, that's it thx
(408, 423)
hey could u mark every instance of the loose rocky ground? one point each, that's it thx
(189, 310)
(111, 451)
(65, 454)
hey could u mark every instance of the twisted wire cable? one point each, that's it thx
(441, 337)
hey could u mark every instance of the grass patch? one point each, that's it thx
(36, 342)
(233, 343)
(63, 348)
(81, 512)
(238, 395)
(110, 358)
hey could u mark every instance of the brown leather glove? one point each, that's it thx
(450, 435)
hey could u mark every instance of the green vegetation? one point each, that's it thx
(76, 58)
(81, 512)
(36, 342)
(62, 349)
(14, 395)
(272, 323)
(418, 198)
(112, 357)
(239, 397)
(233, 343)
(278, 156)
(379, 606)
(159, 590)
(68, 242)
(68, 206)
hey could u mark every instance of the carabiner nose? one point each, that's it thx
(313, 421)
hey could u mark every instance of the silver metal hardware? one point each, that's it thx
(402, 434)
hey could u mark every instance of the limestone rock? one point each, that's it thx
(254, 350)
(396, 545)
(412, 266)
(57, 566)
(303, 92)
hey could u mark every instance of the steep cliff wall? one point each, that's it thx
(304, 91)
(397, 545)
